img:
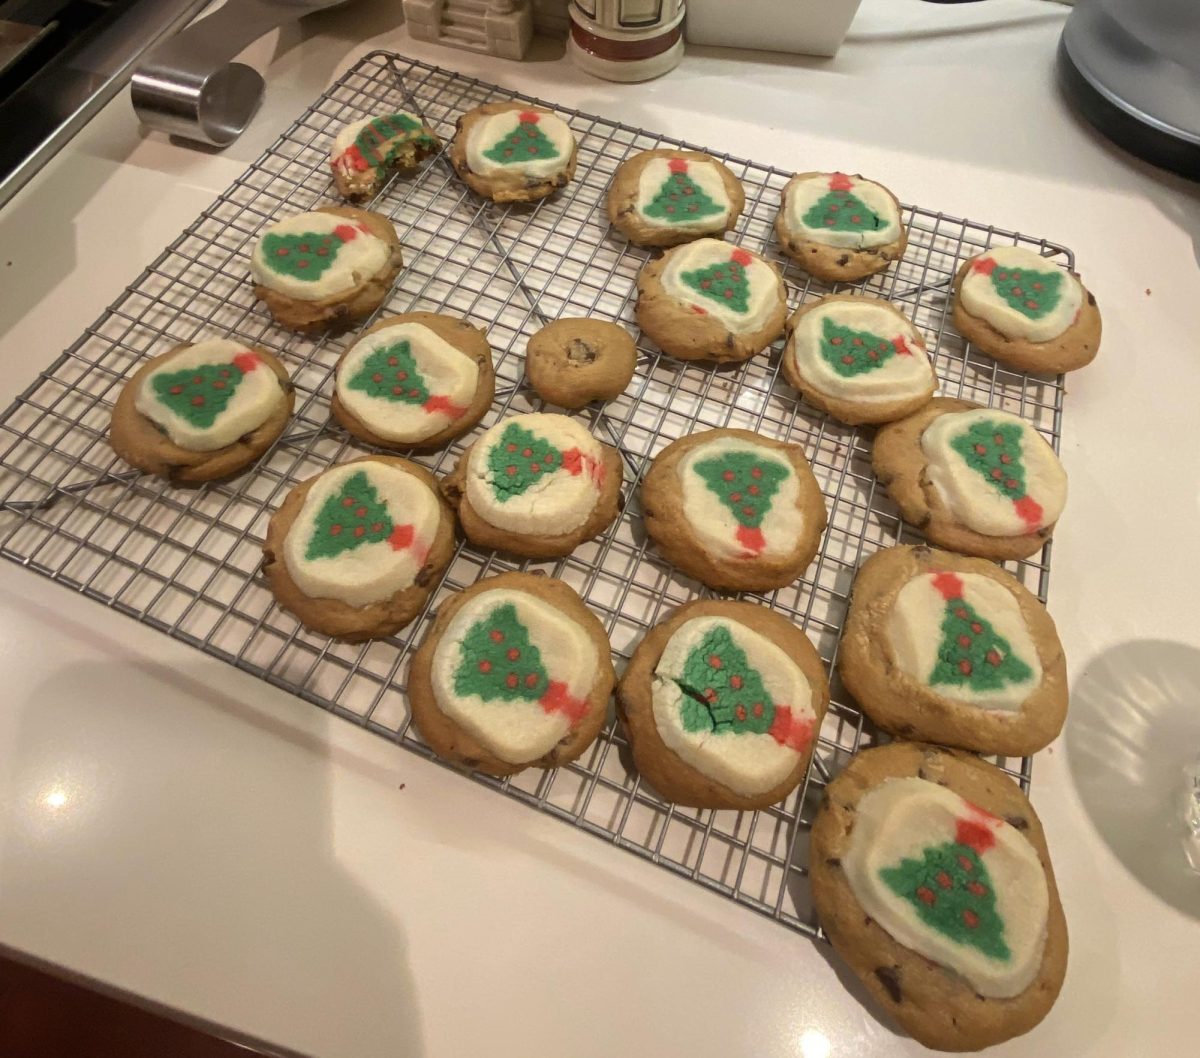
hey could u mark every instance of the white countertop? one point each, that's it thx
(181, 831)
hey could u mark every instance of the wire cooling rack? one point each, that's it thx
(186, 561)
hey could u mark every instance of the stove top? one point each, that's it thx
(60, 61)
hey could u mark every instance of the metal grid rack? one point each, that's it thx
(185, 561)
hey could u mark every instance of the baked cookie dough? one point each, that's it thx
(840, 228)
(202, 411)
(414, 381)
(365, 153)
(931, 876)
(972, 479)
(573, 362)
(953, 650)
(711, 300)
(535, 485)
(326, 269)
(736, 510)
(1025, 311)
(722, 703)
(355, 551)
(515, 673)
(858, 358)
(665, 197)
(513, 152)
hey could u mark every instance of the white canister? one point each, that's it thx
(626, 40)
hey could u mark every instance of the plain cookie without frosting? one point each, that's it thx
(572, 362)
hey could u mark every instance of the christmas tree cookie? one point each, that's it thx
(953, 650)
(355, 551)
(414, 381)
(977, 481)
(858, 358)
(365, 153)
(326, 269)
(711, 300)
(202, 411)
(840, 228)
(666, 197)
(736, 510)
(512, 152)
(722, 703)
(516, 672)
(931, 876)
(536, 485)
(1026, 311)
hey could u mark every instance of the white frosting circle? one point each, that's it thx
(396, 403)
(898, 820)
(804, 195)
(256, 393)
(504, 490)
(829, 360)
(971, 495)
(357, 255)
(709, 261)
(688, 211)
(558, 664)
(747, 762)
(485, 136)
(714, 524)
(935, 656)
(376, 570)
(1010, 270)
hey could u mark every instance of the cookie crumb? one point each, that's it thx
(889, 977)
(1147, 288)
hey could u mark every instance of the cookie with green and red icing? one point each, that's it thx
(954, 650)
(366, 153)
(931, 876)
(355, 551)
(536, 485)
(513, 152)
(1026, 311)
(840, 227)
(723, 702)
(202, 411)
(327, 269)
(972, 479)
(666, 197)
(858, 358)
(414, 381)
(711, 300)
(516, 672)
(734, 509)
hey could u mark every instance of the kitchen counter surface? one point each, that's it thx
(179, 831)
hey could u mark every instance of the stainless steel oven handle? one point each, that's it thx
(190, 87)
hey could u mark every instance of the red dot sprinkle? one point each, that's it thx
(943, 879)
(323, 251)
(993, 657)
(393, 362)
(964, 667)
(873, 355)
(926, 896)
(710, 695)
(511, 679)
(753, 490)
(740, 712)
(758, 709)
(1031, 304)
(377, 527)
(283, 251)
(198, 401)
(1011, 483)
(857, 341)
(348, 501)
(377, 377)
(414, 392)
(960, 613)
(835, 341)
(981, 449)
(1017, 292)
(735, 497)
(510, 470)
(997, 473)
(1037, 286)
(847, 359)
(714, 662)
(361, 512)
(998, 439)
(304, 247)
(728, 475)
(302, 264)
(176, 389)
(756, 472)
(1005, 458)
(970, 918)
(527, 452)
(359, 530)
(1016, 273)
(976, 627)
(397, 391)
(531, 680)
(735, 682)
(964, 641)
(512, 448)
(748, 511)
(496, 635)
(402, 376)
(334, 530)
(977, 888)
(965, 863)
(513, 654)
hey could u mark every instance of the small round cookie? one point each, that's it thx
(202, 411)
(326, 269)
(931, 876)
(414, 381)
(365, 153)
(711, 300)
(840, 228)
(736, 510)
(513, 152)
(1025, 311)
(972, 479)
(953, 650)
(722, 703)
(572, 362)
(355, 550)
(858, 358)
(515, 673)
(665, 197)
(535, 485)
